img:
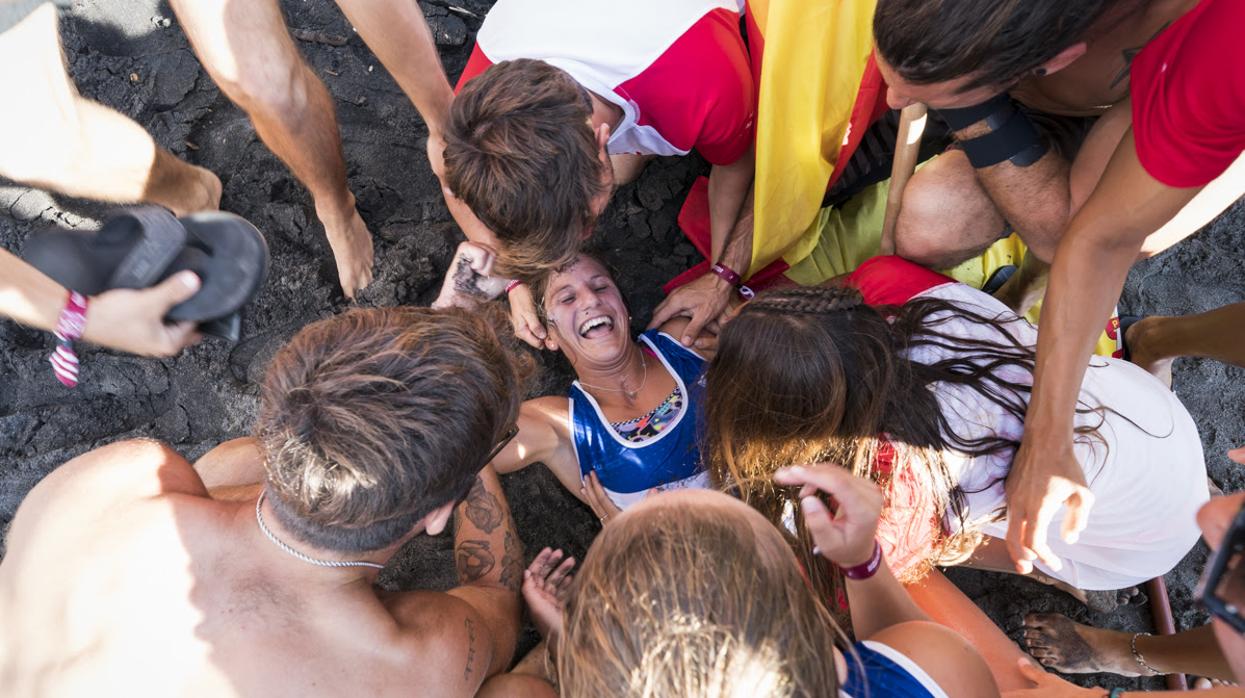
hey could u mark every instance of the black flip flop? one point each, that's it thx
(143, 246)
(998, 278)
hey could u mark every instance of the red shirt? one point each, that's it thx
(1188, 90)
(678, 69)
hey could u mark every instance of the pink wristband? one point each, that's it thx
(733, 278)
(513, 285)
(867, 569)
(69, 327)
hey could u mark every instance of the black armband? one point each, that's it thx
(1012, 135)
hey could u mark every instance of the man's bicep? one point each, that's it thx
(451, 640)
(490, 617)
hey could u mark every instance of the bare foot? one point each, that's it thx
(1060, 644)
(1140, 338)
(352, 250)
(201, 193)
(1104, 601)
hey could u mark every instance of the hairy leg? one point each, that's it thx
(56, 139)
(947, 217)
(1217, 334)
(246, 48)
(1072, 648)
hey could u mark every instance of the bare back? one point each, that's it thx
(123, 578)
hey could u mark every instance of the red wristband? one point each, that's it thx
(731, 276)
(513, 285)
(867, 569)
(69, 327)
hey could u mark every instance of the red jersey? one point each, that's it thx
(678, 69)
(1188, 90)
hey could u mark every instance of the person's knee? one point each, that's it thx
(271, 81)
(946, 216)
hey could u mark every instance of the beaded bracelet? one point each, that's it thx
(69, 327)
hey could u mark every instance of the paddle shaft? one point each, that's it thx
(907, 147)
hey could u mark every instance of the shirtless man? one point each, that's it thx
(130, 572)
(246, 48)
(1028, 162)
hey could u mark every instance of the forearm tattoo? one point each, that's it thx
(482, 508)
(474, 560)
(466, 278)
(512, 562)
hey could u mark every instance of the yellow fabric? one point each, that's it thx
(815, 55)
(849, 235)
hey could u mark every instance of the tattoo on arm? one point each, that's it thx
(465, 278)
(512, 562)
(474, 560)
(471, 648)
(1131, 53)
(482, 508)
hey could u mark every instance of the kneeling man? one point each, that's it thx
(125, 575)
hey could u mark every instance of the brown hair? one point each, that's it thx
(997, 42)
(694, 601)
(850, 395)
(521, 154)
(372, 419)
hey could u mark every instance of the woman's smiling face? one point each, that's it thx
(586, 314)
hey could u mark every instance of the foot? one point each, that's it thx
(201, 193)
(1071, 648)
(1140, 340)
(352, 250)
(1098, 601)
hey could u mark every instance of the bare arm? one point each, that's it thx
(124, 319)
(489, 558)
(1086, 278)
(728, 188)
(398, 34)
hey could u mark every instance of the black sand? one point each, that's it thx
(131, 55)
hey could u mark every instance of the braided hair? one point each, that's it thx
(814, 374)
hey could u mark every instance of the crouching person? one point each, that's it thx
(125, 575)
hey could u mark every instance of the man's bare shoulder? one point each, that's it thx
(443, 641)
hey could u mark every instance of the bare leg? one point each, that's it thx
(992, 556)
(947, 605)
(54, 138)
(247, 50)
(1073, 648)
(947, 217)
(1218, 334)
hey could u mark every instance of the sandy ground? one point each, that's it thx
(131, 55)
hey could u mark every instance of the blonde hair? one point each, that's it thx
(698, 602)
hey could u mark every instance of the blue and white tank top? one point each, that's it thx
(628, 470)
(884, 671)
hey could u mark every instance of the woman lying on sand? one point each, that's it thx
(921, 384)
(629, 426)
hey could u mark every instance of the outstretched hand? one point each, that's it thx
(1045, 476)
(133, 320)
(847, 536)
(545, 586)
(704, 300)
(469, 279)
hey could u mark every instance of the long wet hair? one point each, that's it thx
(697, 602)
(806, 375)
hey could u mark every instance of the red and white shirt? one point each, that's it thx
(678, 69)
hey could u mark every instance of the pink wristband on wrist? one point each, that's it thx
(733, 278)
(867, 569)
(512, 286)
(69, 327)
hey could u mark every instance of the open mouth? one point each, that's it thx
(596, 327)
